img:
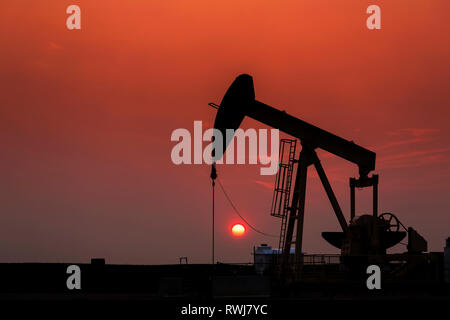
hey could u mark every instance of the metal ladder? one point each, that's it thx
(282, 189)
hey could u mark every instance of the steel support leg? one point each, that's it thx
(330, 193)
(297, 210)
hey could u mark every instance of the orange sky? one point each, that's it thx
(86, 118)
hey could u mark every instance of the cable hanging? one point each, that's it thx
(238, 213)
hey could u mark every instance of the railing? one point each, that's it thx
(315, 259)
(308, 259)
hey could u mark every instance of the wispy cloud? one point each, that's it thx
(415, 158)
(416, 132)
(265, 184)
(405, 142)
(53, 46)
(408, 136)
(412, 147)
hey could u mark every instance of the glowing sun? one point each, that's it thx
(238, 230)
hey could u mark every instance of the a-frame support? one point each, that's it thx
(297, 210)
